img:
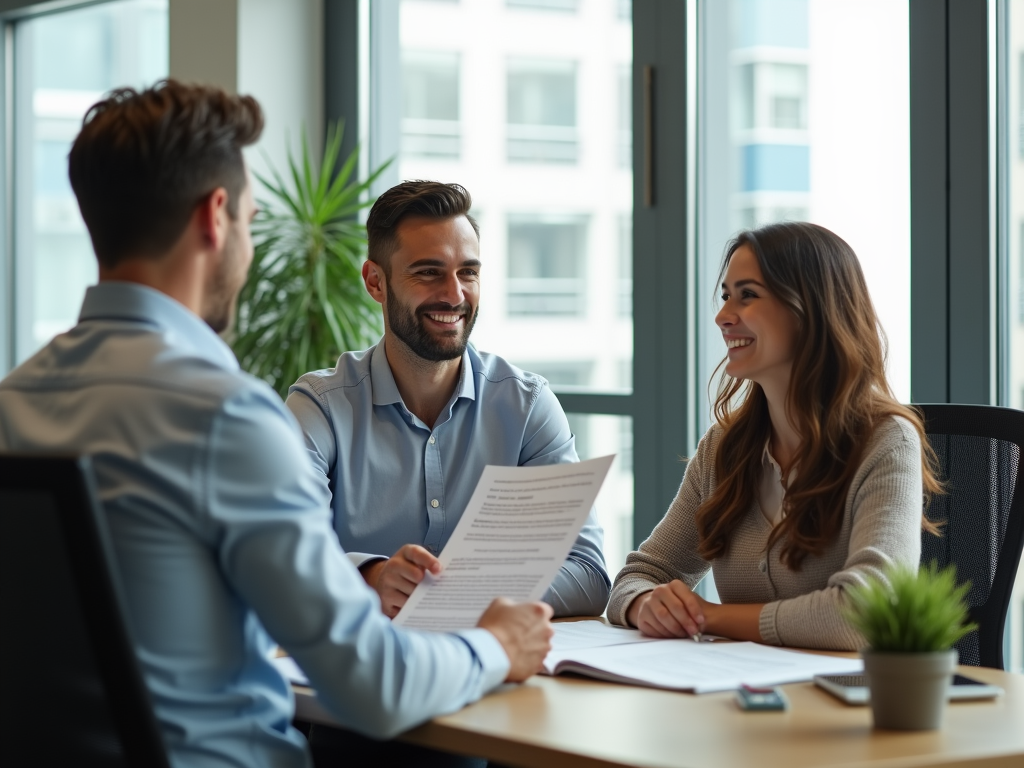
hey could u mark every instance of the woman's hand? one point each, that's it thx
(668, 610)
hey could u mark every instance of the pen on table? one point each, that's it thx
(696, 637)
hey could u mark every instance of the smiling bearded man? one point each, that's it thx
(402, 431)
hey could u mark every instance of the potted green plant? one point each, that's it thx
(910, 620)
(304, 302)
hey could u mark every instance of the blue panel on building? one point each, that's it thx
(776, 167)
(781, 23)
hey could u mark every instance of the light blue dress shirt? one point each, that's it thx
(223, 539)
(394, 481)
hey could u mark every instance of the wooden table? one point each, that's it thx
(569, 722)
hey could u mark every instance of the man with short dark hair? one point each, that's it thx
(220, 526)
(402, 431)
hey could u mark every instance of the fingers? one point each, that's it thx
(690, 600)
(671, 610)
(524, 631)
(419, 557)
(398, 576)
(401, 574)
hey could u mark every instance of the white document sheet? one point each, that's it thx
(699, 667)
(573, 636)
(513, 537)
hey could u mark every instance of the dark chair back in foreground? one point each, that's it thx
(72, 693)
(981, 454)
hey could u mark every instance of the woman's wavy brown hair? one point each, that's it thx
(837, 395)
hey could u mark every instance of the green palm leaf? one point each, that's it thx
(304, 302)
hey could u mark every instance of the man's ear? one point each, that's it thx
(375, 280)
(212, 218)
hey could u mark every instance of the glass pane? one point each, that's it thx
(64, 63)
(532, 114)
(804, 106)
(599, 436)
(1012, 292)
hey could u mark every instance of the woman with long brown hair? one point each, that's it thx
(813, 476)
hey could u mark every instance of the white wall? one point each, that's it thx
(270, 49)
(281, 63)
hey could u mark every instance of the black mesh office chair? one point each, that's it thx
(72, 693)
(981, 454)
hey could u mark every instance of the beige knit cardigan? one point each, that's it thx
(881, 527)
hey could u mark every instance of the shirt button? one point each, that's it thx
(432, 440)
(435, 503)
(762, 566)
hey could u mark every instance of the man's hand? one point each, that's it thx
(669, 610)
(524, 631)
(396, 578)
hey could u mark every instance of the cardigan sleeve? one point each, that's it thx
(885, 503)
(670, 552)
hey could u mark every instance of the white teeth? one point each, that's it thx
(734, 343)
(444, 318)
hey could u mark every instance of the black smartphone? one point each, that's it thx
(853, 689)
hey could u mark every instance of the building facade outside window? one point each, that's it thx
(542, 152)
(542, 111)
(781, 109)
(63, 63)
(430, 104)
(546, 261)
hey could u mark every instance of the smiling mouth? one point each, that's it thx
(445, 318)
(737, 343)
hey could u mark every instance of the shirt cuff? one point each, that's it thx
(768, 624)
(623, 598)
(494, 663)
(359, 559)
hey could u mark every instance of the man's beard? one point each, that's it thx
(221, 293)
(407, 325)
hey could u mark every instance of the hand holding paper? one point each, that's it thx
(513, 537)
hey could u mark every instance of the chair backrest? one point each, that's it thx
(72, 692)
(981, 455)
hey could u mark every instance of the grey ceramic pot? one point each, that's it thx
(908, 690)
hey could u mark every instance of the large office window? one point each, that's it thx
(1011, 304)
(743, 112)
(542, 153)
(789, 128)
(63, 63)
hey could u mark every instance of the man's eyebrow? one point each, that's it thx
(440, 263)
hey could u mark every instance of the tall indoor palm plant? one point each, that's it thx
(304, 302)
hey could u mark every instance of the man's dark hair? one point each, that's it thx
(427, 199)
(144, 160)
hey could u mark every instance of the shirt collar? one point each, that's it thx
(114, 300)
(385, 390)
